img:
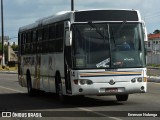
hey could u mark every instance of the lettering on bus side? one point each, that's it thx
(28, 61)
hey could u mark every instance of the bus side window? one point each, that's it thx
(59, 37)
(40, 34)
(45, 33)
(52, 31)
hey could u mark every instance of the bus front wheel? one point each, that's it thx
(122, 97)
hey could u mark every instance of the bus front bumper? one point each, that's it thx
(107, 89)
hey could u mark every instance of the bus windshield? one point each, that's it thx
(108, 45)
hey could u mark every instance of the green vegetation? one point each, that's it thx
(156, 31)
(153, 65)
(153, 69)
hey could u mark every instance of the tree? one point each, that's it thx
(156, 31)
(14, 47)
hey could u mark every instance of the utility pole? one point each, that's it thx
(72, 5)
(2, 33)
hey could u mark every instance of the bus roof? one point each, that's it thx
(68, 15)
(47, 20)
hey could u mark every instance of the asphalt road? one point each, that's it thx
(14, 99)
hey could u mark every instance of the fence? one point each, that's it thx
(153, 53)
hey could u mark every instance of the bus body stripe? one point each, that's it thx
(102, 74)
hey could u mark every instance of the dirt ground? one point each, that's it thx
(153, 71)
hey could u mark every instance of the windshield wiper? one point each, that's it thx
(121, 26)
(117, 32)
(97, 30)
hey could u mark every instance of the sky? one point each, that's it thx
(18, 13)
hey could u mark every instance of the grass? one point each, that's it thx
(153, 65)
(149, 73)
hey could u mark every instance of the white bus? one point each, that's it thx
(89, 52)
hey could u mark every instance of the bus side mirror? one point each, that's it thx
(146, 36)
(145, 32)
(68, 38)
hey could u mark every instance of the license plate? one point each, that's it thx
(111, 90)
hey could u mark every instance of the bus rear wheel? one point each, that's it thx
(122, 97)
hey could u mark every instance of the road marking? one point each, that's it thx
(11, 89)
(101, 114)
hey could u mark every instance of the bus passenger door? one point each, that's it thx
(36, 82)
(67, 64)
(67, 56)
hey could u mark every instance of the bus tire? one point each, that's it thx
(62, 98)
(31, 91)
(122, 97)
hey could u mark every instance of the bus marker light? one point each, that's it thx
(133, 80)
(145, 79)
(139, 79)
(75, 82)
(82, 82)
(89, 82)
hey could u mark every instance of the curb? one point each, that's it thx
(8, 72)
(154, 79)
(153, 67)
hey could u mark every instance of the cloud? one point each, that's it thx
(21, 2)
(22, 12)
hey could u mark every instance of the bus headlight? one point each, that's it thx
(133, 80)
(139, 79)
(89, 82)
(83, 82)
